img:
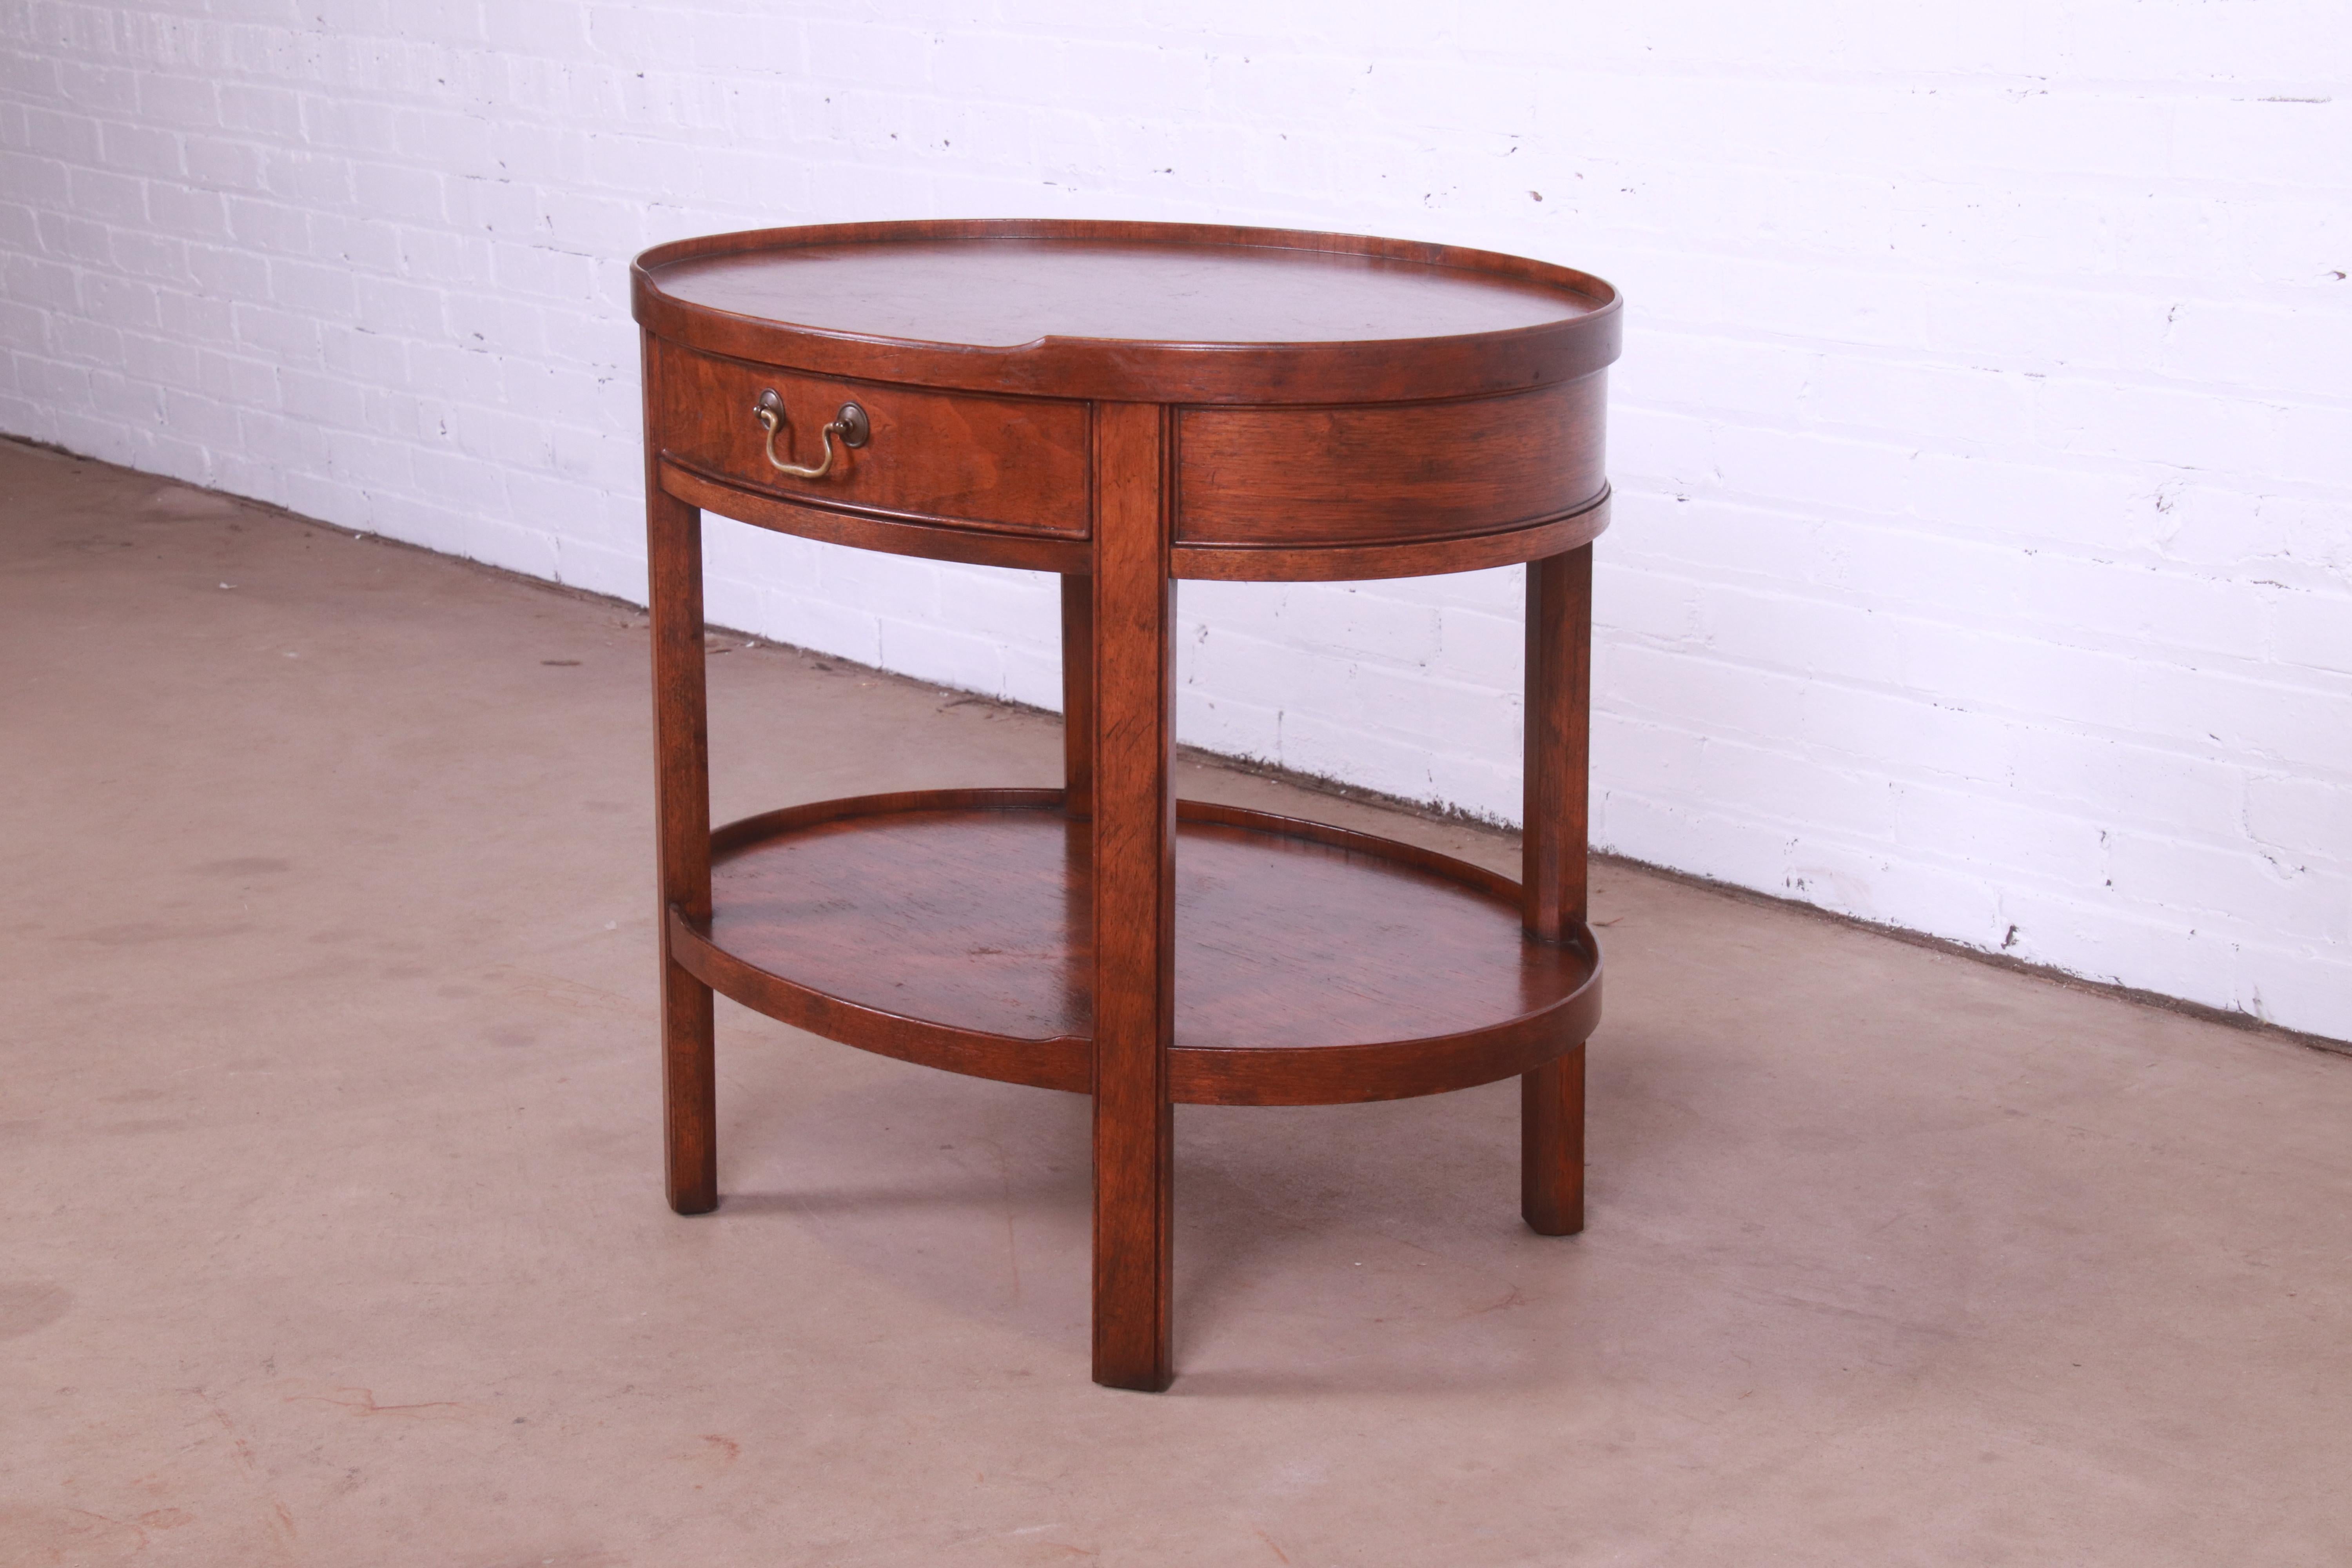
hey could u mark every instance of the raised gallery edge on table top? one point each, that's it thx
(1137, 312)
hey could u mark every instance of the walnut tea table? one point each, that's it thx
(1128, 405)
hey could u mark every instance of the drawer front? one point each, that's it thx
(1011, 464)
(1389, 472)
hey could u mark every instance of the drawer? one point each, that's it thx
(1386, 473)
(1016, 465)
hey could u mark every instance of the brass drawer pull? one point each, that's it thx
(850, 424)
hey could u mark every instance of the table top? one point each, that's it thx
(1150, 311)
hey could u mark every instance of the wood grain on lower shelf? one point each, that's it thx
(1313, 965)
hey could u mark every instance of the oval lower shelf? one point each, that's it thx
(1313, 965)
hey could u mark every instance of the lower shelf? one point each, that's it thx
(1313, 965)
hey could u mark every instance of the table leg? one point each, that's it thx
(1078, 695)
(1552, 868)
(682, 805)
(1134, 897)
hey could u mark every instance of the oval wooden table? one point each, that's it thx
(1127, 405)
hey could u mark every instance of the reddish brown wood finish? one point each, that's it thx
(1241, 563)
(1560, 682)
(1441, 490)
(1387, 472)
(1552, 868)
(1552, 1145)
(1277, 316)
(932, 540)
(1127, 405)
(1313, 965)
(1010, 465)
(1134, 895)
(1078, 695)
(1407, 558)
(682, 809)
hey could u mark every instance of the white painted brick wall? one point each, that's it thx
(1983, 556)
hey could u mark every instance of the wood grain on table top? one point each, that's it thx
(1002, 293)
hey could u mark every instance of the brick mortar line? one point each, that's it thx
(1933, 859)
(1997, 711)
(2323, 683)
(1151, 35)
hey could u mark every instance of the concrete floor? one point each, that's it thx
(334, 1229)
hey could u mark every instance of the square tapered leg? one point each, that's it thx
(1134, 841)
(682, 804)
(1552, 868)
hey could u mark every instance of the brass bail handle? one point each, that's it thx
(849, 422)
